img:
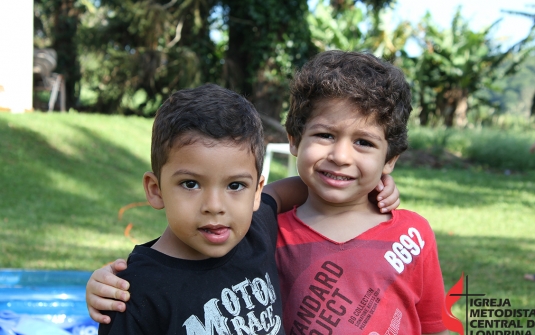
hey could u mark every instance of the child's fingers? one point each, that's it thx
(97, 316)
(106, 292)
(384, 208)
(107, 286)
(107, 276)
(118, 266)
(388, 198)
(96, 304)
(386, 185)
(388, 191)
(102, 304)
(380, 186)
(385, 200)
(95, 291)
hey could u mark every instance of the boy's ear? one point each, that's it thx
(389, 166)
(258, 193)
(152, 190)
(293, 145)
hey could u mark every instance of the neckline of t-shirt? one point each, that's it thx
(361, 236)
(174, 262)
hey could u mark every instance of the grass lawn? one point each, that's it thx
(65, 177)
(485, 227)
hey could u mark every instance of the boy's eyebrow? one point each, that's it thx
(241, 175)
(194, 174)
(330, 128)
(185, 171)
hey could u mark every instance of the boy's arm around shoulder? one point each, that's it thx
(290, 192)
(287, 192)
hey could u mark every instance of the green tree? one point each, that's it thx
(147, 49)
(332, 28)
(139, 51)
(455, 64)
(135, 52)
(352, 27)
(267, 39)
(515, 93)
(532, 17)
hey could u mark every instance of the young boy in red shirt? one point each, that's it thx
(360, 271)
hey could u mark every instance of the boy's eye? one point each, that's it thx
(235, 186)
(324, 135)
(190, 184)
(363, 143)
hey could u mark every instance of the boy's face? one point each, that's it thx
(209, 192)
(341, 156)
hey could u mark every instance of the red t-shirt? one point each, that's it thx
(385, 281)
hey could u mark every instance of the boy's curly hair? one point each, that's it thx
(210, 111)
(377, 88)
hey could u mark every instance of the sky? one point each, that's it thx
(480, 13)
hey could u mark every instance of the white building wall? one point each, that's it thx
(16, 55)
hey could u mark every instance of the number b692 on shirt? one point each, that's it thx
(403, 252)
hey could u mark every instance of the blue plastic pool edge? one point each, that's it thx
(56, 298)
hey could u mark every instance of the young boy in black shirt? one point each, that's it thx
(212, 270)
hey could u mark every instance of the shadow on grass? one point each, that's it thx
(45, 190)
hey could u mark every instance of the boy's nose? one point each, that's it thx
(340, 153)
(213, 203)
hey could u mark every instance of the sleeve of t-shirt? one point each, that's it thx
(146, 311)
(266, 217)
(430, 306)
(268, 200)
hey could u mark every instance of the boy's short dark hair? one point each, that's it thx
(207, 110)
(377, 88)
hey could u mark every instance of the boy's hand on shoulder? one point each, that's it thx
(387, 194)
(105, 291)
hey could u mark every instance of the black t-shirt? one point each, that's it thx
(236, 294)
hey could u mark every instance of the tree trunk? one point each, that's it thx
(235, 74)
(268, 97)
(452, 105)
(532, 111)
(424, 112)
(461, 110)
(198, 39)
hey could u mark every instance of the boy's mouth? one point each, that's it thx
(216, 231)
(215, 234)
(332, 176)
